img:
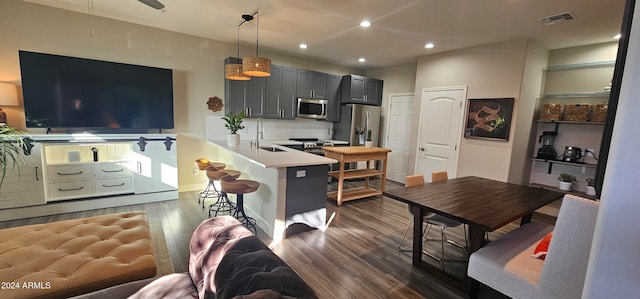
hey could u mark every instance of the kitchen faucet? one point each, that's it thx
(259, 131)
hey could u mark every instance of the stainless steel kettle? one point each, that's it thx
(571, 154)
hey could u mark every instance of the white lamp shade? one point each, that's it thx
(8, 94)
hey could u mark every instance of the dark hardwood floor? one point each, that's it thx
(356, 257)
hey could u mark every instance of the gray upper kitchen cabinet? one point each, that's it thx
(234, 96)
(333, 97)
(311, 84)
(247, 96)
(254, 97)
(280, 99)
(361, 90)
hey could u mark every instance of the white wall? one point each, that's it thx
(614, 266)
(523, 138)
(491, 71)
(198, 64)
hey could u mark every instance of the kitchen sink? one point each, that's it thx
(272, 149)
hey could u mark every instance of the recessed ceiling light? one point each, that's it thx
(617, 36)
(429, 45)
(362, 59)
(365, 24)
(303, 46)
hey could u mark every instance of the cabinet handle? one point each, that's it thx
(116, 185)
(139, 166)
(70, 173)
(71, 189)
(37, 179)
(118, 170)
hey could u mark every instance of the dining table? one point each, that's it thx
(484, 205)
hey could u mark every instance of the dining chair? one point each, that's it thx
(432, 219)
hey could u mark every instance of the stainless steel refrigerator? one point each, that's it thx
(355, 121)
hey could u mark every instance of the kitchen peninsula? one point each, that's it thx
(293, 184)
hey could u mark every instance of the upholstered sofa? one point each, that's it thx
(507, 265)
(226, 261)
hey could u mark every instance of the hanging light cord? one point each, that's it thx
(238, 54)
(257, 25)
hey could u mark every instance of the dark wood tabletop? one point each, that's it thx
(477, 201)
(483, 204)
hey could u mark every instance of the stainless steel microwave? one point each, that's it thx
(312, 108)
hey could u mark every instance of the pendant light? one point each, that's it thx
(233, 65)
(256, 66)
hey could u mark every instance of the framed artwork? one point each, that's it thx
(489, 118)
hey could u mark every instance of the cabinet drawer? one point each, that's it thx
(110, 169)
(68, 172)
(74, 189)
(117, 185)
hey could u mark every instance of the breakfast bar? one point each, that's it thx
(293, 185)
(348, 154)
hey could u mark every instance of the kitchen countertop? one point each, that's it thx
(286, 158)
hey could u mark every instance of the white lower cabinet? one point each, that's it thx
(80, 180)
(23, 183)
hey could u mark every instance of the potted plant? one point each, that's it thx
(591, 186)
(234, 123)
(11, 145)
(566, 181)
(368, 143)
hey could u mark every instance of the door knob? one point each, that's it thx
(422, 149)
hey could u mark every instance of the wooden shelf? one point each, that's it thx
(551, 162)
(354, 193)
(588, 165)
(554, 188)
(592, 94)
(579, 66)
(571, 122)
(356, 173)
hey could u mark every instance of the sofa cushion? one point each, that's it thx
(177, 285)
(506, 264)
(209, 243)
(249, 265)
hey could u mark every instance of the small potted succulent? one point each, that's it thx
(368, 143)
(565, 181)
(591, 186)
(234, 124)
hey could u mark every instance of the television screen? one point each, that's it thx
(69, 92)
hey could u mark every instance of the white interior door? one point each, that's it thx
(440, 130)
(400, 114)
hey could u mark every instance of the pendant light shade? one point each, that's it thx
(233, 65)
(256, 66)
(233, 69)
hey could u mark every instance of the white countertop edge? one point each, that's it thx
(288, 158)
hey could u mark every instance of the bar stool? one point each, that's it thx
(210, 189)
(231, 185)
(214, 175)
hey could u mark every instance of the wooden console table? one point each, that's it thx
(347, 154)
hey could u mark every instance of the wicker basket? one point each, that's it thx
(599, 114)
(551, 112)
(577, 112)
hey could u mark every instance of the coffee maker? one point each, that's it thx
(547, 151)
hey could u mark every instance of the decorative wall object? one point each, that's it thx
(215, 104)
(489, 118)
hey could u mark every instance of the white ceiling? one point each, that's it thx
(399, 31)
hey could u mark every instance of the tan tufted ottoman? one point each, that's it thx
(72, 257)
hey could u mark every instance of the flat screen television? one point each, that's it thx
(77, 93)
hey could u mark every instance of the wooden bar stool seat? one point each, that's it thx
(231, 185)
(210, 189)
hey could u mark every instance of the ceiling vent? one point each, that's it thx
(559, 18)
